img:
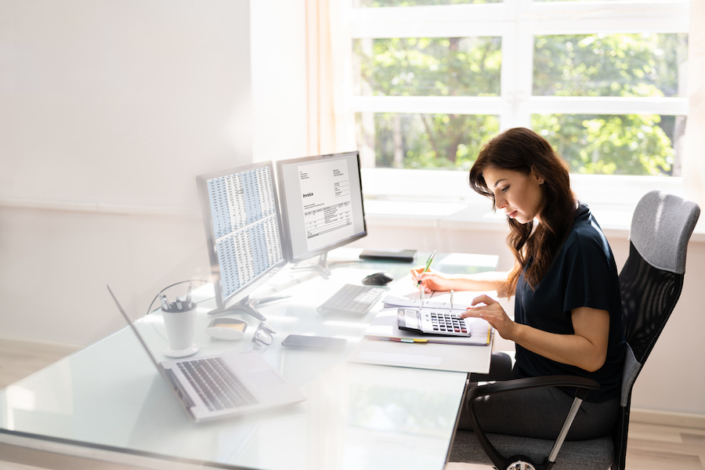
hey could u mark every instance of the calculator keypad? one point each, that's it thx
(447, 323)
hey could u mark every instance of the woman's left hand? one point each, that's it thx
(493, 313)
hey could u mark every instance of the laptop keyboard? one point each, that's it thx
(215, 383)
(352, 299)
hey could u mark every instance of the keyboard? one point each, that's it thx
(216, 384)
(357, 300)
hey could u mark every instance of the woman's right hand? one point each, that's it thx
(431, 280)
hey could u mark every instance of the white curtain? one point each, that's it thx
(694, 161)
(330, 125)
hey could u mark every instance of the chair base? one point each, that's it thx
(594, 454)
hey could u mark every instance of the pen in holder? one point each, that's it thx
(179, 320)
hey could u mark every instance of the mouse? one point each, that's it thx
(378, 279)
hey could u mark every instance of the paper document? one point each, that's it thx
(436, 300)
(405, 359)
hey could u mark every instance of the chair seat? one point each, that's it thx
(584, 455)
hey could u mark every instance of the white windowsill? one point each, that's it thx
(442, 199)
(614, 219)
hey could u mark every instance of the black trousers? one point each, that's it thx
(538, 413)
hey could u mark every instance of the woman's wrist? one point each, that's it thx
(515, 332)
(457, 283)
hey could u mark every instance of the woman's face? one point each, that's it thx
(519, 195)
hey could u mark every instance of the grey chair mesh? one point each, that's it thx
(650, 285)
(648, 297)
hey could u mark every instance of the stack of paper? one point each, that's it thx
(437, 300)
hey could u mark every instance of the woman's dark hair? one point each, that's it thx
(522, 150)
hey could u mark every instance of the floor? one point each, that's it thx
(651, 447)
(18, 359)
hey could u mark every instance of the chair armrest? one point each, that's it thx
(583, 385)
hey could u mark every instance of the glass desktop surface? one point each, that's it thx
(109, 395)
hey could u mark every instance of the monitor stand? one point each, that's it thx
(248, 306)
(323, 266)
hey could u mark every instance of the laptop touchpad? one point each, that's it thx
(266, 385)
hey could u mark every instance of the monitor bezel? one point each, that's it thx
(285, 210)
(243, 291)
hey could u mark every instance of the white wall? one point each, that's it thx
(673, 378)
(108, 111)
(122, 101)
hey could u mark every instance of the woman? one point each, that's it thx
(568, 315)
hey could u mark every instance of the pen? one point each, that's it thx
(451, 301)
(428, 265)
(188, 295)
(178, 303)
(165, 302)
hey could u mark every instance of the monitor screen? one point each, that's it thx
(322, 203)
(243, 227)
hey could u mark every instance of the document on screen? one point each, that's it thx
(325, 194)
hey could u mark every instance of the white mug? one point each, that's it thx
(180, 326)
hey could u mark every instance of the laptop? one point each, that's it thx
(221, 385)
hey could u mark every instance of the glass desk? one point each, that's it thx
(107, 402)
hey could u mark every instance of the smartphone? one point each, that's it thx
(314, 342)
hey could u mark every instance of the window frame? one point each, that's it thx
(517, 22)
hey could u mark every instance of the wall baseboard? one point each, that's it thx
(667, 418)
(95, 207)
(69, 347)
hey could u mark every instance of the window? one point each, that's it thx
(603, 81)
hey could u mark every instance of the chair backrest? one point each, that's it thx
(652, 277)
(650, 284)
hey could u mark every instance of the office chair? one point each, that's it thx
(650, 284)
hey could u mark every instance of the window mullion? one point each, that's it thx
(608, 105)
(523, 60)
(427, 104)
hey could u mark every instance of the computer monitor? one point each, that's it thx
(244, 233)
(322, 205)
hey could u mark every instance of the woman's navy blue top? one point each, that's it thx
(583, 274)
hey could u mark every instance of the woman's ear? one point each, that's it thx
(535, 175)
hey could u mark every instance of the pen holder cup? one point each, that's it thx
(180, 326)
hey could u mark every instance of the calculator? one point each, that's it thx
(433, 322)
